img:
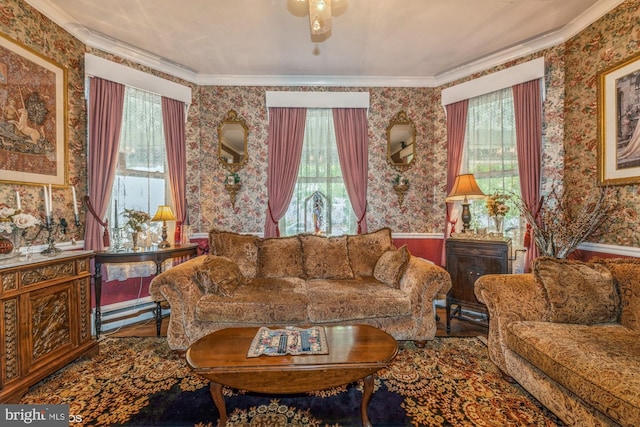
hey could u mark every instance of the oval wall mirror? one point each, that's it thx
(401, 141)
(232, 141)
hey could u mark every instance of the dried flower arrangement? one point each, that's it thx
(497, 204)
(135, 219)
(559, 224)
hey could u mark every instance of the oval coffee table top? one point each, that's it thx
(354, 352)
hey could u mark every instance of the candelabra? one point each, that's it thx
(54, 228)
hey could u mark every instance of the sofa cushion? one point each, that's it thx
(578, 292)
(325, 258)
(279, 257)
(240, 248)
(218, 275)
(347, 300)
(366, 249)
(626, 275)
(259, 301)
(598, 363)
(391, 266)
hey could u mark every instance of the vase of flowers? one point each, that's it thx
(13, 226)
(497, 209)
(135, 221)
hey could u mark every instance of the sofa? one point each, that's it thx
(569, 333)
(301, 280)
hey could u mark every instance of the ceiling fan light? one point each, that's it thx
(319, 16)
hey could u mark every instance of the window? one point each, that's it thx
(320, 201)
(490, 153)
(142, 180)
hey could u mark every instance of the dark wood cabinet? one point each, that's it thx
(466, 260)
(46, 318)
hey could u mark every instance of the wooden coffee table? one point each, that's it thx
(355, 352)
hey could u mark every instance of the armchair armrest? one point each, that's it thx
(509, 298)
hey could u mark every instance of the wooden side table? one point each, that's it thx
(158, 256)
(468, 259)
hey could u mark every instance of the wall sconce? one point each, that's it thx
(464, 188)
(164, 214)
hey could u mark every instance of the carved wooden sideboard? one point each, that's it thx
(46, 318)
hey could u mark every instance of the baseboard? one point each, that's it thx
(125, 313)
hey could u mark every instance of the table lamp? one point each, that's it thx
(164, 214)
(464, 188)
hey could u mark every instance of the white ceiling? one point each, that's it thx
(373, 42)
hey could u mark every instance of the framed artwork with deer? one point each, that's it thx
(33, 103)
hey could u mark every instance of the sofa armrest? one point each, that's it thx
(510, 298)
(176, 286)
(423, 281)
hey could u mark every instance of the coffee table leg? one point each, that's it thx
(366, 397)
(218, 399)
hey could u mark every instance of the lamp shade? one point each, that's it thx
(465, 187)
(164, 213)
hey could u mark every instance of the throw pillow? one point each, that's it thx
(625, 272)
(578, 292)
(280, 257)
(325, 258)
(391, 266)
(218, 275)
(241, 248)
(366, 249)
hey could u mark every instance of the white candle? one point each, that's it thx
(75, 201)
(50, 212)
(18, 201)
(46, 201)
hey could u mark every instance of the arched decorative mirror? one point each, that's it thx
(401, 141)
(232, 141)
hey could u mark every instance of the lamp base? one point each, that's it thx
(165, 243)
(466, 217)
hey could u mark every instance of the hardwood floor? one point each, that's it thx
(459, 328)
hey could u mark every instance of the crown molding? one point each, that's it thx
(142, 57)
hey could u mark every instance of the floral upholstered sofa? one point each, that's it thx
(569, 333)
(301, 280)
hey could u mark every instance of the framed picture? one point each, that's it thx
(33, 107)
(619, 123)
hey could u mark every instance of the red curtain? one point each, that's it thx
(352, 138)
(527, 103)
(456, 129)
(284, 149)
(173, 121)
(106, 103)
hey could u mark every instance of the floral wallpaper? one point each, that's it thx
(611, 39)
(22, 23)
(569, 134)
(419, 212)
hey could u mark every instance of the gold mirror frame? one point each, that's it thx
(401, 142)
(232, 142)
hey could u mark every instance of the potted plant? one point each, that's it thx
(135, 221)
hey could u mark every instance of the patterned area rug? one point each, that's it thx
(141, 382)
